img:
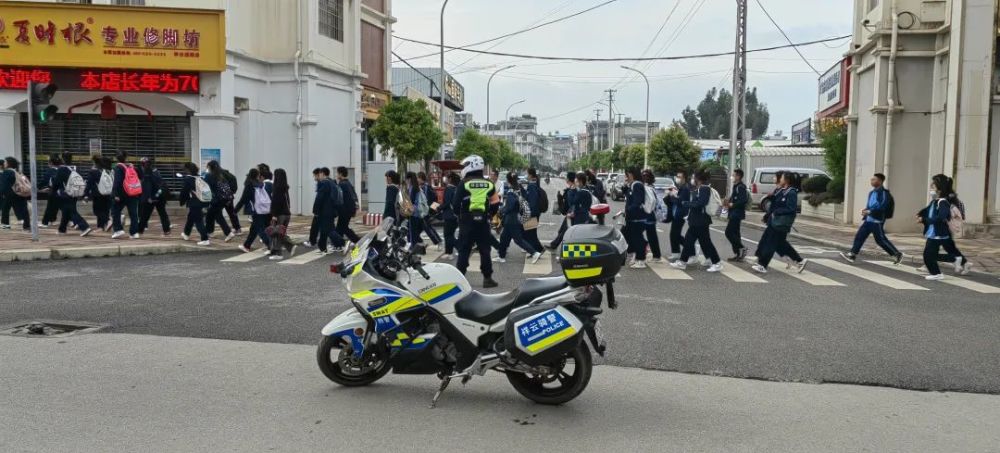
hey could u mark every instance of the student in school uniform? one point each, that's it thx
(196, 214)
(449, 215)
(255, 201)
(10, 199)
(153, 198)
(737, 208)
(699, 222)
(635, 217)
(512, 228)
(675, 202)
(67, 203)
(780, 217)
(935, 218)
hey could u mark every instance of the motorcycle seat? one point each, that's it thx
(490, 308)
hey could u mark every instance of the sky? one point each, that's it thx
(564, 94)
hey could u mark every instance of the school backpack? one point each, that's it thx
(422, 208)
(956, 224)
(131, 183)
(543, 201)
(22, 186)
(231, 180)
(714, 206)
(404, 207)
(261, 200)
(76, 186)
(890, 205)
(224, 189)
(105, 185)
(202, 191)
(523, 208)
(649, 203)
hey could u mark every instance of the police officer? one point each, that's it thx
(474, 200)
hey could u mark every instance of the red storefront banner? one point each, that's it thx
(109, 80)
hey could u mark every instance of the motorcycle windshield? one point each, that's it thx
(359, 254)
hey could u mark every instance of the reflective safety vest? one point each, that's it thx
(479, 194)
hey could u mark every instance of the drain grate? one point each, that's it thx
(50, 329)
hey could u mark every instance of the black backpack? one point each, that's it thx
(543, 201)
(890, 205)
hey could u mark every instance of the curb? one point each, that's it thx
(99, 251)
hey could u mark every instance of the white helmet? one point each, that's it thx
(472, 163)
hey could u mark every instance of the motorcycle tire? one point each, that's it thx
(332, 369)
(570, 386)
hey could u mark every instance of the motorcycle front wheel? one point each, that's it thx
(560, 382)
(338, 364)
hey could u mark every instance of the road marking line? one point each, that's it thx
(665, 272)
(305, 258)
(743, 238)
(542, 267)
(246, 257)
(806, 276)
(739, 275)
(873, 277)
(969, 284)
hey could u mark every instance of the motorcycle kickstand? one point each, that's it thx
(437, 395)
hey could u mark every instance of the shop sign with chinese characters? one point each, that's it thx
(67, 35)
(113, 80)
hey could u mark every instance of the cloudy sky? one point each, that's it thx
(564, 94)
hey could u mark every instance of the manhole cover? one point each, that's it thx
(49, 329)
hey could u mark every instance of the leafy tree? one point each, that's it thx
(833, 139)
(757, 115)
(508, 159)
(633, 156)
(711, 119)
(409, 130)
(691, 122)
(671, 150)
(472, 142)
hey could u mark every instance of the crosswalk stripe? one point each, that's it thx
(473, 262)
(969, 284)
(737, 274)
(806, 276)
(246, 257)
(873, 277)
(665, 272)
(542, 267)
(308, 257)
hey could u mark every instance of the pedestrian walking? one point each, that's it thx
(153, 198)
(67, 186)
(191, 196)
(699, 221)
(314, 225)
(635, 218)
(100, 186)
(450, 216)
(349, 207)
(231, 211)
(597, 188)
(326, 206)
(675, 202)
(394, 199)
(579, 212)
(222, 195)
(736, 206)
(126, 191)
(429, 199)
(879, 208)
(512, 210)
(565, 200)
(9, 198)
(44, 187)
(765, 236)
(281, 212)
(473, 201)
(941, 220)
(255, 201)
(650, 202)
(780, 218)
(538, 201)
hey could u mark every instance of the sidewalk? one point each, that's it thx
(16, 244)
(983, 253)
(116, 392)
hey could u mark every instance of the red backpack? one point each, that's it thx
(133, 186)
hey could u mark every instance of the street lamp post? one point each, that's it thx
(645, 162)
(442, 87)
(488, 82)
(506, 114)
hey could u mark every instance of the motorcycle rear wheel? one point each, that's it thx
(333, 369)
(558, 386)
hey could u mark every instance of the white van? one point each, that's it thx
(763, 181)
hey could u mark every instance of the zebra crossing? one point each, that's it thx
(822, 272)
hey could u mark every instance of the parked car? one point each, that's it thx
(764, 181)
(662, 184)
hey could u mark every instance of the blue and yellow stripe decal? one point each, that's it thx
(440, 293)
(578, 250)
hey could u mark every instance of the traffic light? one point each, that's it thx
(41, 95)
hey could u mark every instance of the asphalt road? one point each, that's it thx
(939, 337)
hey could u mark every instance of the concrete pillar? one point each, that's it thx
(10, 144)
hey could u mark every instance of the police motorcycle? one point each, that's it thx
(414, 318)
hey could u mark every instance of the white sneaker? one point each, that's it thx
(244, 249)
(655, 260)
(439, 246)
(230, 237)
(694, 260)
(958, 264)
(535, 257)
(322, 252)
(674, 256)
(679, 265)
(185, 237)
(639, 264)
(4, 227)
(205, 242)
(922, 269)
(967, 268)
(759, 269)
(117, 234)
(446, 256)
(337, 250)
(499, 260)
(717, 267)
(307, 244)
(43, 225)
(935, 277)
(275, 258)
(83, 235)
(135, 236)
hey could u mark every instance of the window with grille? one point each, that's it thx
(130, 2)
(331, 19)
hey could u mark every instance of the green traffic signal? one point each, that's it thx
(47, 113)
(41, 96)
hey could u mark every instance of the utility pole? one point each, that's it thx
(597, 128)
(611, 109)
(737, 123)
(441, 89)
(618, 128)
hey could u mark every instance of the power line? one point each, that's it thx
(494, 45)
(673, 58)
(761, 5)
(535, 27)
